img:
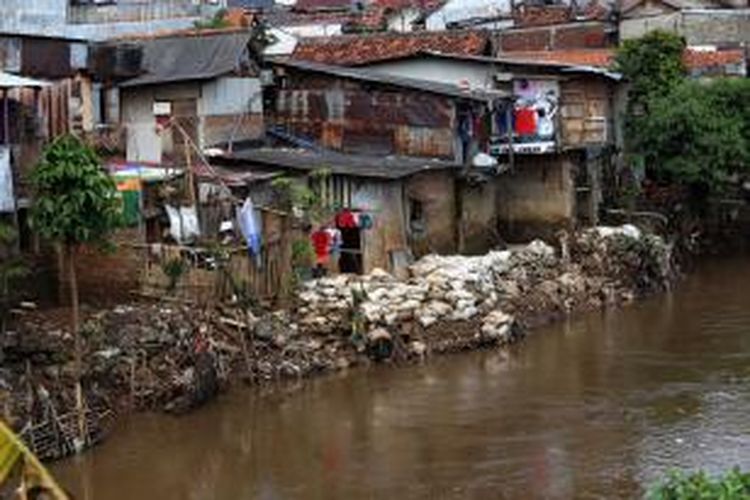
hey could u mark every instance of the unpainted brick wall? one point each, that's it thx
(555, 38)
(105, 277)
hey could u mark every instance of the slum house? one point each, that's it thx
(556, 141)
(723, 23)
(38, 114)
(12, 137)
(385, 210)
(101, 19)
(203, 89)
(356, 120)
(172, 96)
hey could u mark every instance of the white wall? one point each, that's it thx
(313, 30)
(283, 45)
(462, 10)
(231, 96)
(403, 20)
(223, 96)
(479, 75)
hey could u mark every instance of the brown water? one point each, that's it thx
(593, 408)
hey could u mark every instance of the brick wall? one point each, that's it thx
(105, 277)
(531, 15)
(561, 37)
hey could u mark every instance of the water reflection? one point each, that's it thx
(591, 408)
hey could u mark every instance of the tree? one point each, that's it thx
(75, 204)
(697, 134)
(652, 65)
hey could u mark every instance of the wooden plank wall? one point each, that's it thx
(584, 112)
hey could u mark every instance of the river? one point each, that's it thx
(595, 407)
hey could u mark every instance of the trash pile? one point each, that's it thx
(173, 356)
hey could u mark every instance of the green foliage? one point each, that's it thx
(291, 193)
(652, 64)
(75, 200)
(698, 134)
(173, 269)
(303, 254)
(217, 21)
(699, 486)
(685, 131)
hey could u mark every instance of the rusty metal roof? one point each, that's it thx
(383, 167)
(368, 75)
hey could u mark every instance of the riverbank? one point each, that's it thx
(174, 356)
(599, 405)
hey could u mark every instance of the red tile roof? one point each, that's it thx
(316, 5)
(404, 4)
(695, 59)
(362, 49)
(591, 57)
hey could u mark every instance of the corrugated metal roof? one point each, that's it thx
(11, 81)
(383, 167)
(182, 58)
(368, 75)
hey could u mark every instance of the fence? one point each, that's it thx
(206, 275)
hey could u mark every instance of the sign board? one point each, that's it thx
(162, 108)
(7, 199)
(533, 120)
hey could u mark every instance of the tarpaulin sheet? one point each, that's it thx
(7, 200)
(191, 58)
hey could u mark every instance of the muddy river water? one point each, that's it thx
(595, 407)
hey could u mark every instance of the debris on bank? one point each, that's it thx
(172, 356)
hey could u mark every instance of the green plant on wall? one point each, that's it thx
(304, 194)
(173, 269)
(215, 22)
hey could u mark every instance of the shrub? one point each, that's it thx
(700, 486)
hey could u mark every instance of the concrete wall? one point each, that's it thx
(49, 18)
(478, 224)
(27, 15)
(536, 198)
(436, 193)
(384, 200)
(699, 27)
(226, 108)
